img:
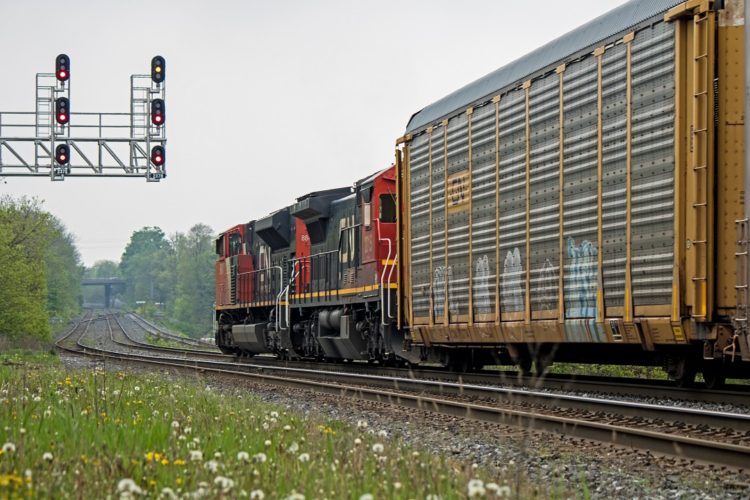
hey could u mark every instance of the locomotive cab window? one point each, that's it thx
(387, 208)
(235, 244)
(220, 246)
(367, 215)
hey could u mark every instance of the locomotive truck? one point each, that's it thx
(583, 203)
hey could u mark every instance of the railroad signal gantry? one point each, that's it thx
(52, 141)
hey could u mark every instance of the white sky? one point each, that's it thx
(314, 92)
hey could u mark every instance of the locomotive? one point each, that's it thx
(583, 203)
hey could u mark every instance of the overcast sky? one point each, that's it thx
(266, 101)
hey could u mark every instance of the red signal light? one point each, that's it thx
(158, 112)
(158, 156)
(62, 68)
(62, 154)
(62, 110)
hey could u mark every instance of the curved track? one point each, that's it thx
(713, 437)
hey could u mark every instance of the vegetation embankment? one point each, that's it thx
(98, 433)
(40, 272)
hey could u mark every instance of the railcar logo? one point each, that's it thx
(458, 191)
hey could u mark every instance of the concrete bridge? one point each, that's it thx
(108, 284)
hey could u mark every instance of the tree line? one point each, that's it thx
(40, 270)
(169, 276)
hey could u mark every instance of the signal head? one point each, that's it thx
(158, 114)
(62, 68)
(158, 69)
(158, 155)
(62, 110)
(62, 154)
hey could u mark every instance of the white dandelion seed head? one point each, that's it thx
(22, 430)
(137, 388)
(9, 447)
(358, 441)
(212, 465)
(127, 485)
(267, 443)
(476, 488)
(295, 496)
(287, 427)
(188, 430)
(397, 485)
(260, 457)
(47, 457)
(293, 448)
(168, 494)
(224, 483)
(243, 456)
(382, 434)
(304, 457)
(366, 496)
(265, 426)
(361, 424)
(196, 455)
(378, 448)
(433, 497)
(257, 495)
(218, 455)
(175, 424)
(37, 399)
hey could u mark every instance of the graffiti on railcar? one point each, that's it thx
(443, 275)
(580, 279)
(546, 287)
(513, 292)
(482, 300)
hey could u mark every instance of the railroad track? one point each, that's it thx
(697, 435)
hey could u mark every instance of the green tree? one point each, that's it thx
(147, 266)
(194, 255)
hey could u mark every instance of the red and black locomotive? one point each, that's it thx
(316, 279)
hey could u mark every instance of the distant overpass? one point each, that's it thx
(108, 284)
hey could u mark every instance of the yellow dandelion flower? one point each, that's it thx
(178, 481)
(179, 461)
(165, 461)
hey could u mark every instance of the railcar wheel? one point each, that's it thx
(682, 370)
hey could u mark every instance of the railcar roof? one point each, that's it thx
(624, 17)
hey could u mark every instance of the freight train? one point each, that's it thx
(583, 203)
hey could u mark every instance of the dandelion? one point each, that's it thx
(168, 494)
(366, 496)
(217, 455)
(274, 414)
(361, 424)
(267, 443)
(196, 455)
(175, 424)
(243, 456)
(179, 461)
(188, 430)
(212, 465)
(9, 447)
(257, 495)
(295, 496)
(378, 448)
(137, 388)
(224, 483)
(37, 399)
(293, 448)
(382, 434)
(47, 457)
(287, 427)
(433, 497)
(305, 457)
(358, 441)
(397, 485)
(476, 488)
(128, 486)
(260, 457)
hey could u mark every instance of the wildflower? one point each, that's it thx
(305, 457)
(382, 434)
(295, 496)
(22, 430)
(361, 424)
(260, 457)
(37, 399)
(224, 483)
(188, 430)
(168, 494)
(274, 414)
(175, 424)
(476, 488)
(196, 455)
(243, 456)
(47, 457)
(257, 495)
(9, 447)
(433, 497)
(116, 392)
(136, 388)
(358, 441)
(128, 486)
(378, 448)
(268, 442)
(397, 485)
(179, 461)
(212, 465)
(293, 448)
(217, 455)
(366, 496)
(287, 427)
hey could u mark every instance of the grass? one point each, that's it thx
(99, 433)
